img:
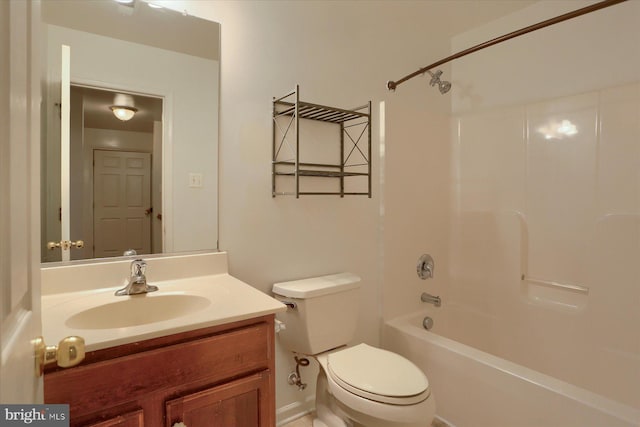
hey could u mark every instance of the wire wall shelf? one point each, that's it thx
(354, 146)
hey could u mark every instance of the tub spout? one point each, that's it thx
(428, 298)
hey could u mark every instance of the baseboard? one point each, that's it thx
(295, 410)
(441, 422)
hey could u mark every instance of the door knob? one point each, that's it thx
(69, 352)
(65, 244)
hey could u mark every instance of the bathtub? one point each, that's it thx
(476, 389)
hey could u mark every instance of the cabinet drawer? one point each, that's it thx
(91, 388)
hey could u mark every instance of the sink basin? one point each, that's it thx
(137, 310)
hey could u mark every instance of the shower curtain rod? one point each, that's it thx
(391, 85)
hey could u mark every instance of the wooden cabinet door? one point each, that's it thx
(129, 419)
(239, 403)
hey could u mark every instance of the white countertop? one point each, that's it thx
(229, 300)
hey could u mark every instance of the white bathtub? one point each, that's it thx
(475, 389)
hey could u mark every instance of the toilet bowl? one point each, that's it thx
(357, 385)
(373, 387)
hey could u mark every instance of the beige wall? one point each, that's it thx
(342, 54)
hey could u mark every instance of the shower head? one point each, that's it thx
(443, 85)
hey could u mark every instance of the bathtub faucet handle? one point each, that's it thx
(425, 267)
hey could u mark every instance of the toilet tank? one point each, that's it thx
(325, 315)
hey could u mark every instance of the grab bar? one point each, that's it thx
(577, 288)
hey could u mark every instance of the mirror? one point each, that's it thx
(165, 66)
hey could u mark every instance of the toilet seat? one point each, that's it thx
(378, 375)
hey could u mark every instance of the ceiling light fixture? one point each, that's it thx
(123, 112)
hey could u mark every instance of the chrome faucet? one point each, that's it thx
(137, 282)
(428, 298)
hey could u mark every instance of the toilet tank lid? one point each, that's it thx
(317, 286)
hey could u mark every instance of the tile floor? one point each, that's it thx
(306, 422)
(301, 422)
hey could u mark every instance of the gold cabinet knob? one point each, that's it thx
(69, 352)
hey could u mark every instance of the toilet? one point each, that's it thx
(357, 385)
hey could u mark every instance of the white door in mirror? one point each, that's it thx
(122, 200)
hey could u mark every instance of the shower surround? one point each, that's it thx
(538, 267)
(546, 235)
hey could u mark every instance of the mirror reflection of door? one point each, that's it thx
(116, 202)
(121, 203)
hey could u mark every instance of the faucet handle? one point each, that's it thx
(138, 267)
(425, 267)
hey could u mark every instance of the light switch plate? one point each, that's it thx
(195, 180)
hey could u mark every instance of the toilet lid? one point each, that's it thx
(378, 374)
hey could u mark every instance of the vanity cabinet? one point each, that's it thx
(217, 376)
(130, 419)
